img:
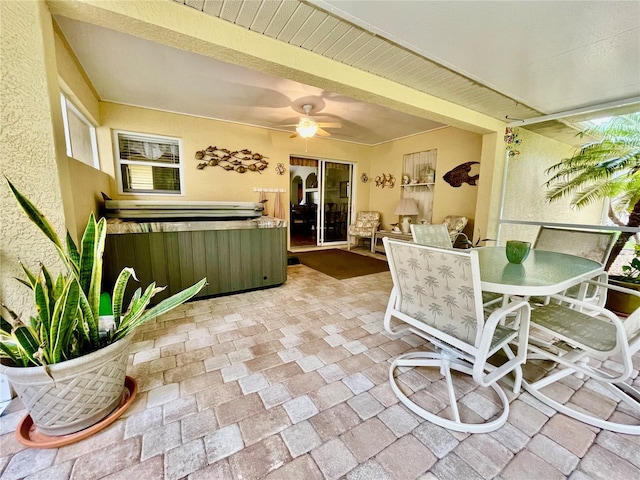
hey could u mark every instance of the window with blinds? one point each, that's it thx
(149, 164)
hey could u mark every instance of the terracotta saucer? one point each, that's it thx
(28, 435)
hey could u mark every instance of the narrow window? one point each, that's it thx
(80, 135)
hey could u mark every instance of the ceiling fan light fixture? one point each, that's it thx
(307, 129)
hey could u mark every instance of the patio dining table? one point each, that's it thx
(542, 273)
(547, 273)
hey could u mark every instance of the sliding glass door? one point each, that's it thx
(335, 202)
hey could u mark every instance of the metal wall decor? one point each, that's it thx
(460, 174)
(364, 178)
(241, 161)
(385, 181)
(280, 169)
(512, 141)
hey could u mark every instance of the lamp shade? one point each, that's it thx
(407, 206)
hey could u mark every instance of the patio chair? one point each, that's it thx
(365, 226)
(437, 294)
(590, 244)
(432, 235)
(455, 224)
(581, 331)
(438, 236)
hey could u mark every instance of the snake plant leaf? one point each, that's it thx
(42, 308)
(5, 327)
(27, 342)
(87, 254)
(88, 324)
(10, 350)
(166, 305)
(38, 219)
(93, 294)
(58, 287)
(24, 282)
(74, 254)
(136, 309)
(48, 281)
(118, 292)
(32, 278)
(134, 299)
(12, 314)
(64, 319)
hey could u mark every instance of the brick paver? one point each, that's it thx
(292, 383)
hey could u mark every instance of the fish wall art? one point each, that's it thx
(460, 174)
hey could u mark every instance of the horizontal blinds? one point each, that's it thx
(145, 178)
(138, 148)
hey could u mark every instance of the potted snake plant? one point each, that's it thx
(67, 370)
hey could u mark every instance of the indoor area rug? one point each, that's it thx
(342, 264)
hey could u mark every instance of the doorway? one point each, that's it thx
(321, 193)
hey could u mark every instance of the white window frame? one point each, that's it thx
(152, 139)
(65, 103)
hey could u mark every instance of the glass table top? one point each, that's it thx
(542, 273)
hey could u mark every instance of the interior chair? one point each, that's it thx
(591, 244)
(365, 226)
(455, 224)
(579, 331)
(437, 295)
(432, 235)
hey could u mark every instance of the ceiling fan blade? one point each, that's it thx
(293, 135)
(329, 124)
(322, 133)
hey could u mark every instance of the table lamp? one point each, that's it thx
(405, 208)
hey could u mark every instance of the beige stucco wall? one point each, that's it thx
(73, 81)
(29, 136)
(87, 186)
(190, 30)
(454, 146)
(525, 192)
(214, 183)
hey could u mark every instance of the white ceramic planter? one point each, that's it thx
(77, 393)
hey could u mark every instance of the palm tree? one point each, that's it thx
(608, 167)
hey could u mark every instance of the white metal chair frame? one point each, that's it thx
(454, 351)
(586, 330)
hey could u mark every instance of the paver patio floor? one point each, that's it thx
(292, 383)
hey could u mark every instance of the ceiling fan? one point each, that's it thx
(307, 127)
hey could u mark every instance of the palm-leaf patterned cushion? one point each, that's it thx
(366, 223)
(437, 289)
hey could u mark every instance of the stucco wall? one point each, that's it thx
(87, 186)
(454, 147)
(73, 80)
(28, 144)
(525, 192)
(214, 183)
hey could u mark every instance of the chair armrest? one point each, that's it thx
(617, 288)
(485, 347)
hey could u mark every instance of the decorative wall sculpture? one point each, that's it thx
(241, 161)
(460, 174)
(385, 181)
(512, 141)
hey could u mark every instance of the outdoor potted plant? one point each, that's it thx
(67, 370)
(630, 278)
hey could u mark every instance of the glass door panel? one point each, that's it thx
(335, 202)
